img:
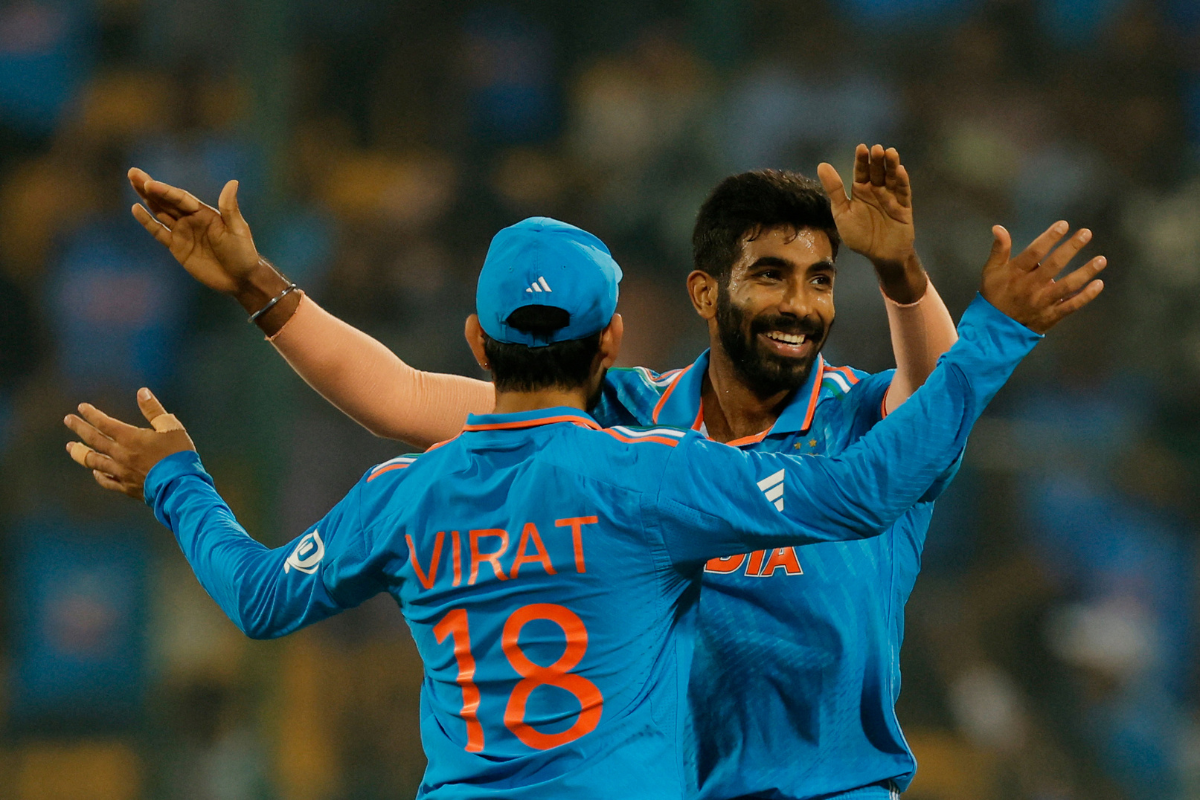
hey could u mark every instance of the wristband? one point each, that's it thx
(291, 287)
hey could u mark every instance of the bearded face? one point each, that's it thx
(775, 311)
(772, 352)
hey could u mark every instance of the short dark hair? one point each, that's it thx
(520, 368)
(749, 203)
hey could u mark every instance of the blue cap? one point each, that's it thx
(544, 262)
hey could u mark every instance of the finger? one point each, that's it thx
(117, 486)
(165, 219)
(92, 437)
(877, 170)
(98, 462)
(173, 196)
(1032, 255)
(1053, 264)
(1086, 295)
(155, 414)
(903, 190)
(891, 163)
(155, 228)
(1077, 280)
(231, 211)
(1001, 247)
(79, 452)
(831, 181)
(862, 164)
(112, 428)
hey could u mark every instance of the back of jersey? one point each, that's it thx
(547, 615)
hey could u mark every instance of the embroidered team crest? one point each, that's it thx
(307, 555)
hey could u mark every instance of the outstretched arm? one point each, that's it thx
(266, 593)
(346, 366)
(876, 220)
(372, 386)
(735, 501)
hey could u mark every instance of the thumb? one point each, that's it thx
(231, 212)
(1001, 247)
(835, 189)
(155, 414)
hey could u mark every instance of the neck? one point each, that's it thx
(731, 409)
(514, 402)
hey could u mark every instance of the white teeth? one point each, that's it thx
(787, 338)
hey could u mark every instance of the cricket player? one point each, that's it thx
(796, 674)
(547, 567)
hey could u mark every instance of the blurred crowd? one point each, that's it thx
(1051, 647)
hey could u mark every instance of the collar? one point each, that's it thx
(529, 419)
(680, 404)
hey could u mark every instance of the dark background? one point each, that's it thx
(1050, 650)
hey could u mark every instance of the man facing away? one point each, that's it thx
(830, 618)
(549, 568)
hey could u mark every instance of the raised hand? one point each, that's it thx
(876, 220)
(120, 455)
(1024, 287)
(213, 244)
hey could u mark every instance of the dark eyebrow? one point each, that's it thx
(825, 265)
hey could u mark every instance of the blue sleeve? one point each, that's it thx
(266, 593)
(715, 500)
(864, 410)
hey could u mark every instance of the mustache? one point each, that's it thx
(806, 326)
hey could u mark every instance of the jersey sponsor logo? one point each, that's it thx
(759, 564)
(539, 285)
(772, 488)
(307, 555)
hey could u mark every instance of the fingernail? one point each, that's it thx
(68, 447)
(67, 419)
(81, 406)
(1060, 227)
(1085, 235)
(143, 394)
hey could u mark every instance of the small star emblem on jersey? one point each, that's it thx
(812, 442)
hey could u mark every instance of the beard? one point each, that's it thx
(766, 373)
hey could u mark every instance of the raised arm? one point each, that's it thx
(370, 383)
(876, 220)
(735, 501)
(346, 366)
(266, 593)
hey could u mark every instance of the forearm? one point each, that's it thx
(921, 332)
(372, 386)
(240, 574)
(877, 479)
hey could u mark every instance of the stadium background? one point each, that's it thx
(1050, 651)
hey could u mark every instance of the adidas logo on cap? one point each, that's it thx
(539, 285)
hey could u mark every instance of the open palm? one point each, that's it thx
(876, 220)
(214, 246)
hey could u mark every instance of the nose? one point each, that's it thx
(795, 299)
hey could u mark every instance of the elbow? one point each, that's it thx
(258, 628)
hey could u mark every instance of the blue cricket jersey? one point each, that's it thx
(549, 569)
(796, 672)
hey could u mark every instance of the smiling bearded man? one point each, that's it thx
(796, 671)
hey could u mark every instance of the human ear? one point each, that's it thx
(702, 289)
(475, 339)
(610, 341)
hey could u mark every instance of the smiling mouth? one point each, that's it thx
(793, 345)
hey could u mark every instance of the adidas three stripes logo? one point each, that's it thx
(772, 488)
(539, 285)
